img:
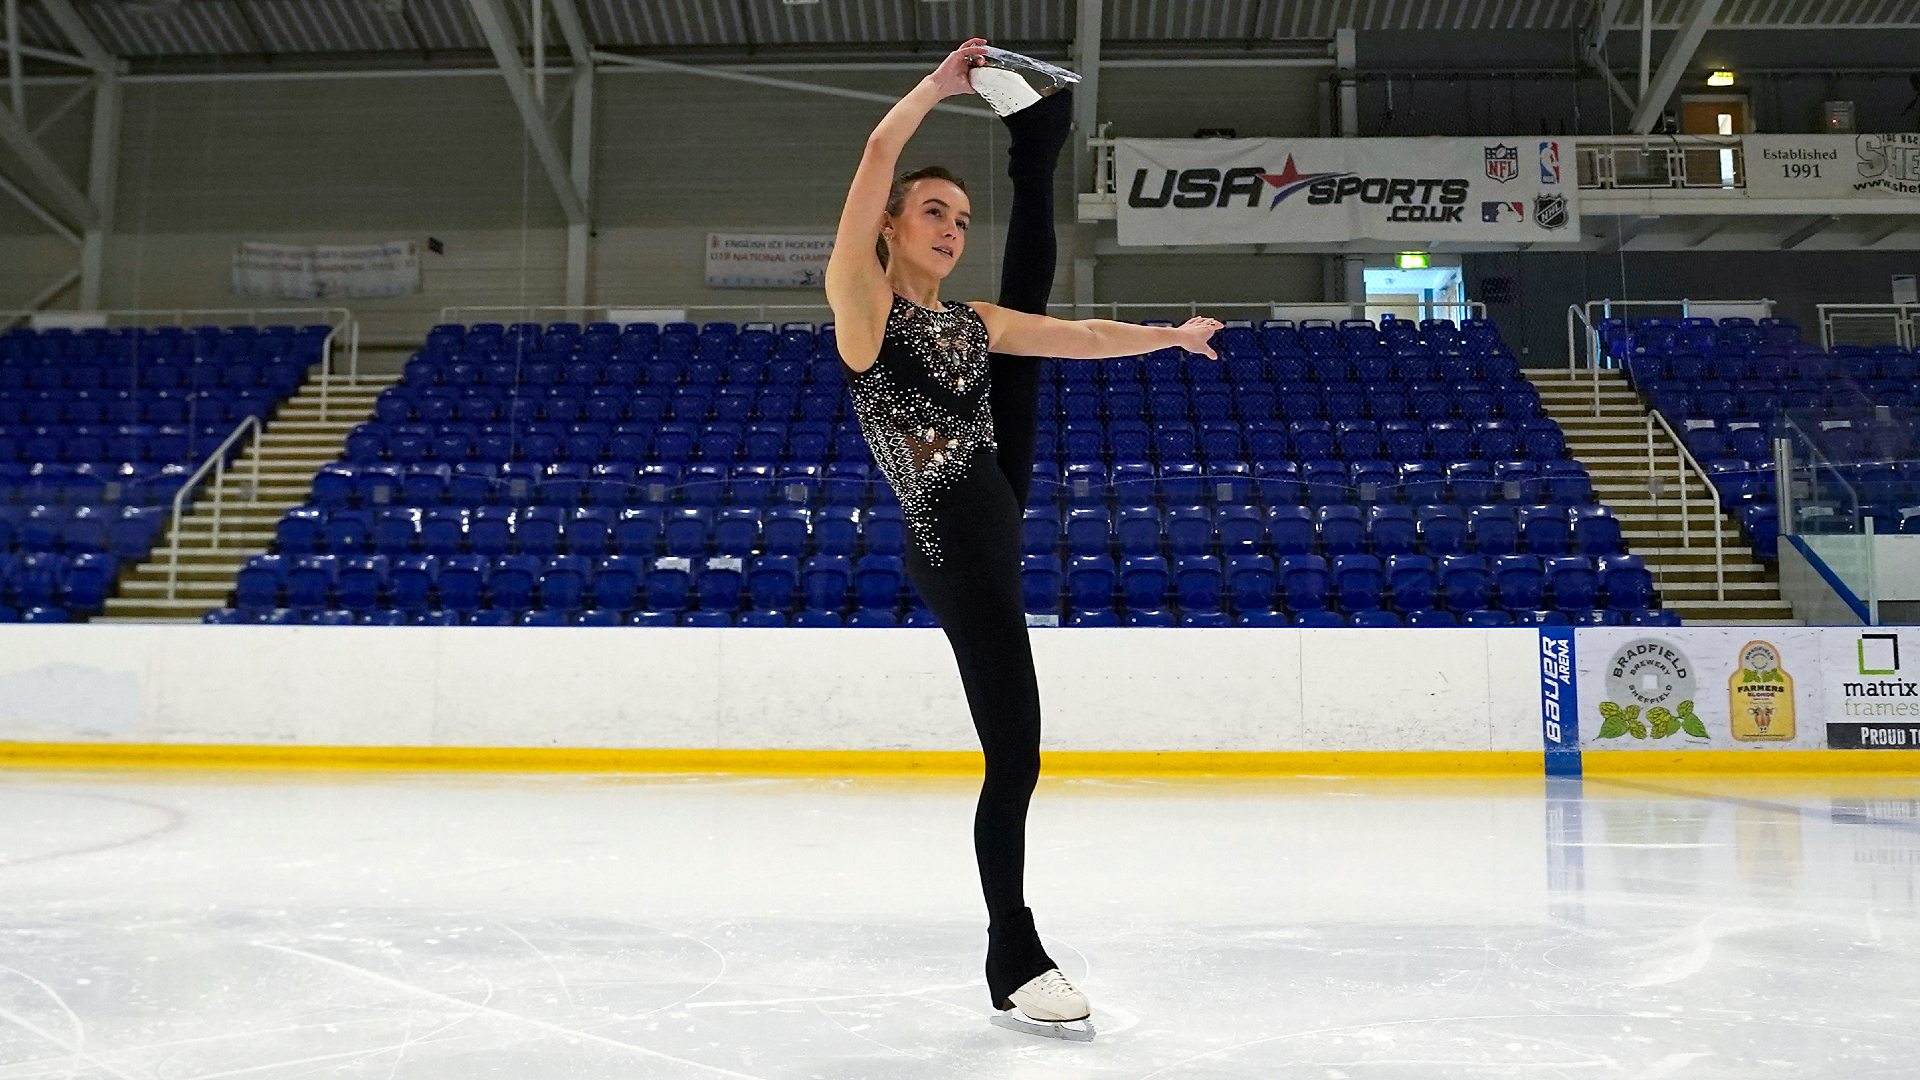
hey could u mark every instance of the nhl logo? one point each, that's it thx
(1550, 211)
(1503, 162)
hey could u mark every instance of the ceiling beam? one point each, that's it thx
(69, 198)
(574, 31)
(645, 63)
(1679, 54)
(1806, 232)
(497, 25)
(1885, 231)
(79, 34)
(1714, 227)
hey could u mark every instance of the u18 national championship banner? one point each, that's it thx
(1277, 191)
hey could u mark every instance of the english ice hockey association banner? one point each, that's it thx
(1834, 166)
(767, 261)
(1277, 191)
(326, 271)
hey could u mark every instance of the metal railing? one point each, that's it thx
(1640, 162)
(1683, 463)
(344, 332)
(215, 463)
(1131, 311)
(1869, 324)
(1583, 333)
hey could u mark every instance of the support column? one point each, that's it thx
(103, 180)
(1344, 61)
(580, 161)
(1086, 121)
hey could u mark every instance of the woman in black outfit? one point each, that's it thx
(953, 432)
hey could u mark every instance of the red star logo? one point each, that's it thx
(1290, 179)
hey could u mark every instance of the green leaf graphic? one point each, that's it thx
(1662, 722)
(1691, 725)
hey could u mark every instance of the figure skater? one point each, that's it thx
(952, 431)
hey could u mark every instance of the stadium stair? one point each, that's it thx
(292, 448)
(1613, 447)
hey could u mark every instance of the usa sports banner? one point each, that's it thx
(1278, 191)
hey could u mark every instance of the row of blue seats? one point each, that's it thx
(115, 482)
(1696, 401)
(76, 582)
(281, 377)
(1775, 368)
(148, 443)
(876, 618)
(1622, 337)
(795, 530)
(520, 483)
(156, 407)
(1426, 402)
(125, 531)
(61, 347)
(829, 582)
(774, 441)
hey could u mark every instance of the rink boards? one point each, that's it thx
(1115, 701)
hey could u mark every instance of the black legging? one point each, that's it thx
(975, 593)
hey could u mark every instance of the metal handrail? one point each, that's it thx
(1684, 461)
(216, 463)
(465, 314)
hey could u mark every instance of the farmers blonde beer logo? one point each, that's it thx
(1760, 695)
(1649, 693)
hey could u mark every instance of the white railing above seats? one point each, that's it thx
(1132, 311)
(1869, 324)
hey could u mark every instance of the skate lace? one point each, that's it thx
(1052, 982)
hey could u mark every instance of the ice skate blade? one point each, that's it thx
(1069, 1030)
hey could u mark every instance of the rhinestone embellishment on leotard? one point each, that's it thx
(923, 407)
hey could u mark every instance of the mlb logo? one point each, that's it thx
(1550, 211)
(1503, 162)
(1549, 162)
(1501, 213)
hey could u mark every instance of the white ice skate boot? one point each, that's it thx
(1001, 79)
(1048, 1005)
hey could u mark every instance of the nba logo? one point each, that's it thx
(1549, 162)
(1503, 162)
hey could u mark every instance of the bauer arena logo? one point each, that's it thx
(1437, 199)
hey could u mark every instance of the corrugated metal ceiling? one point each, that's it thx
(187, 28)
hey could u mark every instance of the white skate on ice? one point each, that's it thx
(1049, 1006)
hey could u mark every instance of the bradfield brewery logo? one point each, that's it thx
(1760, 695)
(1649, 693)
(1503, 162)
(1888, 163)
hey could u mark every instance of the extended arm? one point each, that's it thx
(856, 283)
(1022, 334)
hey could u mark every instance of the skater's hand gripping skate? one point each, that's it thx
(1194, 335)
(950, 78)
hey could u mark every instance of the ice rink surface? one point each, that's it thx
(184, 926)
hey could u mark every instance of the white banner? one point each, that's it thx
(326, 271)
(1833, 166)
(767, 261)
(1709, 687)
(1416, 191)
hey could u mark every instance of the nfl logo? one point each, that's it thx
(1503, 162)
(1550, 211)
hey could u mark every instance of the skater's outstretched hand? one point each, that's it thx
(1194, 334)
(950, 78)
